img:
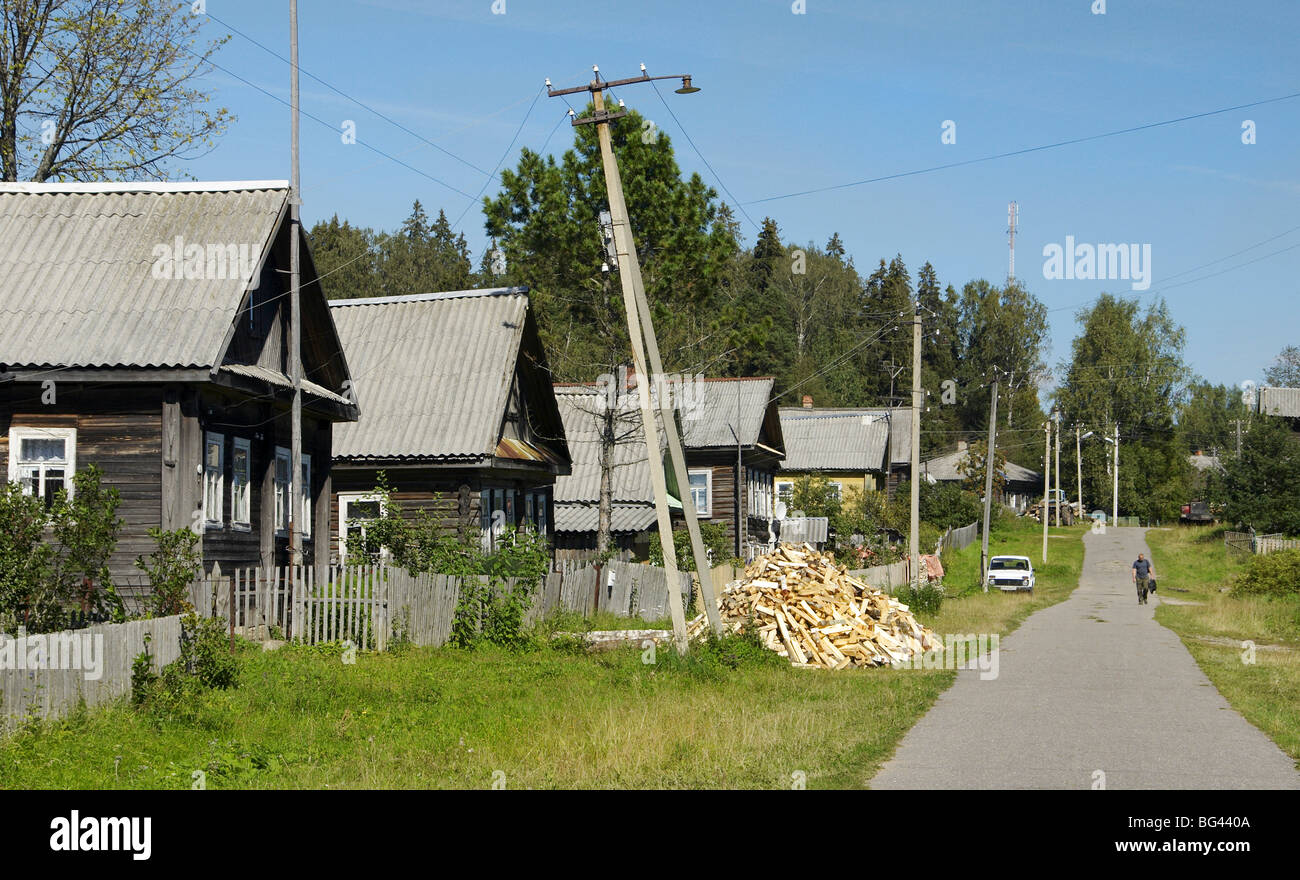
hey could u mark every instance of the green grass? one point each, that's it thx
(446, 718)
(1193, 566)
(545, 718)
(968, 609)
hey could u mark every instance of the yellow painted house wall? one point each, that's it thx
(855, 482)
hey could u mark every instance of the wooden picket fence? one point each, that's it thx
(369, 605)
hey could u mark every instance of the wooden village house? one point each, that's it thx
(146, 332)
(853, 448)
(458, 414)
(731, 435)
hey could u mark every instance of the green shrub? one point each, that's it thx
(171, 568)
(716, 543)
(1273, 574)
(40, 579)
(925, 599)
(205, 663)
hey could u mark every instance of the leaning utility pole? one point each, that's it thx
(642, 336)
(988, 481)
(295, 301)
(914, 524)
(1047, 480)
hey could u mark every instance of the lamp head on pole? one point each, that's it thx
(687, 88)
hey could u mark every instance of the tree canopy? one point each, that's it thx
(102, 89)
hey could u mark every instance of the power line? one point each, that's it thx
(689, 140)
(504, 154)
(343, 94)
(1026, 150)
(331, 127)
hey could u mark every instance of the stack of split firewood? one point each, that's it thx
(807, 608)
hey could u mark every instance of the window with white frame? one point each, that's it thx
(241, 469)
(43, 460)
(785, 491)
(836, 489)
(701, 481)
(214, 463)
(356, 512)
(304, 528)
(283, 468)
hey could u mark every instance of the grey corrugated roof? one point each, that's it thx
(574, 517)
(898, 420)
(580, 407)
(832, 441)
(711, 425)
(944, 467)
(1280, 401)
(430, 372)
(1205, 462)
(76, 270)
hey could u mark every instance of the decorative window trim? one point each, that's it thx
(241, 502)
(282, 489)
(346, 500)
(18, 433)
(214, 477)
(707, 511)
(305, 528)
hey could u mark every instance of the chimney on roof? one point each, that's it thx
(807, 401)
(961, 445)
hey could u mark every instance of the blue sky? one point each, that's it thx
(846, 91)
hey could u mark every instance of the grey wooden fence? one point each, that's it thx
(96, 668)
(958, 539)
(1274, 543)
(884, 577)
(370, 604)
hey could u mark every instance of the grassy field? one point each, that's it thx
(541, 718)
(1193, 566)
(970, 610)
(445, 718)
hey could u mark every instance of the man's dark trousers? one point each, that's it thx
(1142, 585)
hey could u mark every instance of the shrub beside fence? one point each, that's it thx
(52, 693)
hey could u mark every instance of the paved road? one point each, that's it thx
(1092, 683)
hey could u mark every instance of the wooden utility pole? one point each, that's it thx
(1047, 480)
(914, 536)
(1078, 467)
(641, 334)
(1114, 504)
(1060, 494)
(988, 483)
(295, 302)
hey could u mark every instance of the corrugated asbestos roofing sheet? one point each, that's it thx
(580, 408)
(1280, 401)
(574, 517)
(897, 421)
(711, 424)
(838, 441)
(77, 270)
(430, 372)
(944, 467)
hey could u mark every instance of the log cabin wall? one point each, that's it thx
(119, 430)
(450, 495)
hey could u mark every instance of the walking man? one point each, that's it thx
(1142, 572)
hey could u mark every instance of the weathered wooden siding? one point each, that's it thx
(120, 432)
